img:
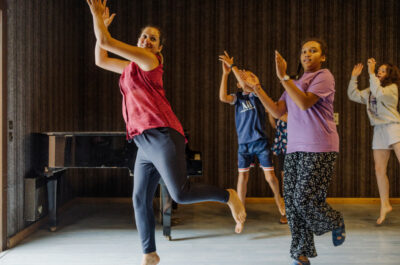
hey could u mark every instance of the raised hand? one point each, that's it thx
(371, 65)
(226, 59)
(97, 7)
(281, 65)
(249, 78)
(357, 69)
(106, 17)
(225, 68)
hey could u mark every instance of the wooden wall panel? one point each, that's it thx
(198, 31)
(43, 79)
(55, 86)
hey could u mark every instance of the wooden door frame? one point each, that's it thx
(3, 125)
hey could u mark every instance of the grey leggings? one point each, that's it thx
(161, 152)
(306, 182)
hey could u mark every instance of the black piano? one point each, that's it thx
(58, 151)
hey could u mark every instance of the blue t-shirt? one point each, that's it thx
(250, 117)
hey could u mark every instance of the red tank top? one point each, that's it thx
(144, 105)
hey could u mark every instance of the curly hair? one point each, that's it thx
(392, 75)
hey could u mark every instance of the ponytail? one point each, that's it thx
(161, 57)
(297, 75)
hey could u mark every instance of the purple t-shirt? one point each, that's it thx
(314, 129)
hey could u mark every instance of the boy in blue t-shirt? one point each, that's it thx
(251, 122)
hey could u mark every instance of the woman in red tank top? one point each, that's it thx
(153, 126)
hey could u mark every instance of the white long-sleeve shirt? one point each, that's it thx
(381, 101)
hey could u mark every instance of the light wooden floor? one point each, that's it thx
(102, 234)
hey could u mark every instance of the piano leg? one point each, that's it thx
(52, 179)
(166, 209)
(52, 199)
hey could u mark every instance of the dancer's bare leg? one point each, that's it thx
(237, 209)
(150, 259)
(381, 158)
(243, 179)
(283, 219)
(274, 184)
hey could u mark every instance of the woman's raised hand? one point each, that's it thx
(281, 65)
(228, 61)
(249, 78)
(371, 65)
(97, 7)
(106, 17)
(357, 69)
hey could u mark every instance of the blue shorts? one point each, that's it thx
(248, 151)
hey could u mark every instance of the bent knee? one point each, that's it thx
(179, 197)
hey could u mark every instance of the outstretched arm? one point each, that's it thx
(146, 60)
(303, 100)
(223, 90)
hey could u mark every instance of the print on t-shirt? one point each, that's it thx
(372, 105)
(247, 106)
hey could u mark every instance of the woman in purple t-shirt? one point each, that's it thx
(313, 145)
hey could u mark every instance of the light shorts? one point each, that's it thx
(385, 135)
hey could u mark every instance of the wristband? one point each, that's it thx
(285, 78)
(232, 65)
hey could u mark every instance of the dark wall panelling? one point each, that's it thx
(198, 31)
(54, 85)
(44, 48)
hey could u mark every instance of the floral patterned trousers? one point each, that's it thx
(306, 182)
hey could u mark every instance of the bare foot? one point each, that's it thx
(384, 211)
(237, 209)
(239, 228)
(303, 258)
(281, 205)
(150, 259)
(283, 220)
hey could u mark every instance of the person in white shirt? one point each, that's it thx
(382, 99)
